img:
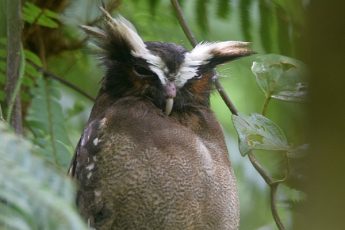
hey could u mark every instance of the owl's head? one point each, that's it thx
(170, 76)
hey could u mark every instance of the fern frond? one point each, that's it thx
(46, 120)
(32, 195)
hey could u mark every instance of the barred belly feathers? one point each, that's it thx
(152, 155)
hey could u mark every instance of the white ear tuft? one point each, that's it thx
(210, 54)
(94, 31)
(124, 29)
(127, 31)
(205, 51)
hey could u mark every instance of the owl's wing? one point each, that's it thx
(72, 165)
(87, 146)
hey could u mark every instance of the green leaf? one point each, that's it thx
(245, 15)
(223, 8)
(266, 25)
(32, 57)
(32, 72)
(47, 22)
(2, 69)
(27, 81)
(3, 53)
(153, 6)
(32, 195)
(26, 97)
(3, 56)
(3, 41)
(2, 95)
(284, 34)
(258, 132)
(43, 17)
(51, 14)
(293, 9)
(77, 108)
(281, 77)
(46, 120)
(202, 15)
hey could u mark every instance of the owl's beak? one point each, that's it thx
(170, 92)
(169, 102)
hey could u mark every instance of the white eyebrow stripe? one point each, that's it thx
(184, 74)
(200, 55)
(160, 74)
(188, 69)
(156, 65)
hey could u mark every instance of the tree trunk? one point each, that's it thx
(14, 32)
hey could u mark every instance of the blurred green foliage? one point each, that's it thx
(53, 40)
(33, 195)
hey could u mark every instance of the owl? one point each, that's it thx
(153, 155)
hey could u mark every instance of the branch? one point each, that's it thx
(225, 97)
(51, 75)
(14, 32)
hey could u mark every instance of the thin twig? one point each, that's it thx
(225, 97)
(51, 75)
(275, 214)
(66, 83)
(183, 23)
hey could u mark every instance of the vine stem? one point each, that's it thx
(273, 184)
(275, 214)
(265, 106)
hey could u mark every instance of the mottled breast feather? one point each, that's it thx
(161, 173)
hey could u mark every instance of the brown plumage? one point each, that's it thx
(152, 155)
